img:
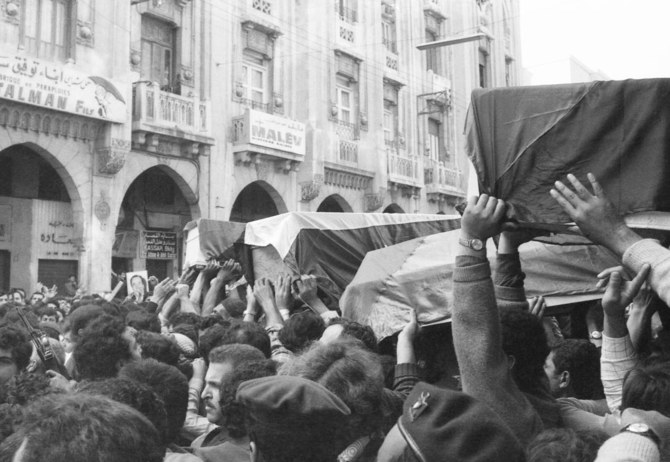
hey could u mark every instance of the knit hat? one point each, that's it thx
(185, 344)
(441, 424)
(292, 404)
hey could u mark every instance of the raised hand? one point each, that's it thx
(306, 288)
(537, 306)
(594, 213)
(164, 289)
(283, 297)
(482, 217)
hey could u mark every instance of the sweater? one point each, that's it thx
(485, 370)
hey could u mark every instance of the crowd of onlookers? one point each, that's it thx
(212, 367)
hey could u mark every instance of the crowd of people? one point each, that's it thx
(211, 367)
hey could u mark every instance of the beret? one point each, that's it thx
(285, 403)
(437, 422)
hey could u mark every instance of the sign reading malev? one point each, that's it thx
(276, 132)
(42, 84)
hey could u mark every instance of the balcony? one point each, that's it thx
(346, 25)
(169, 123)
(442, 181)
(403, 170)
(257, 135)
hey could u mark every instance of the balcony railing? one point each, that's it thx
(347, 130)
(446, 180)
(171, 111)
(403, 170)
(348, 152)
(264, 6)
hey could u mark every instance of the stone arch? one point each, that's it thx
(393, 208)
(68, 181)
(191, 197)
(252, 202)
(334, 203)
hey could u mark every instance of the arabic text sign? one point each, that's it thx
(54, 230)
(39, 83)
(159, 245)
(276, 132)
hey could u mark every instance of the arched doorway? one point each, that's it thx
(256, 201)
(334, 203)
(149, 230)
(37, 221)
(393, 208)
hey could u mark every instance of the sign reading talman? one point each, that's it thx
(276, 132)
(35, 82)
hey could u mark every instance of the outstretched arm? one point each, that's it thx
(485, 370)
(597, 218)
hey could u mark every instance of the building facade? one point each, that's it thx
(121, 120)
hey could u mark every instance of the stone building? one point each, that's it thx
(121, 120)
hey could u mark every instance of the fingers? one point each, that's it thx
(606, 272)
(581, 191)
(562, 201)
(565, 197)
(597, 189)
(613, 289)
(639, 279)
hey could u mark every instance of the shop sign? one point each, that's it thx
(158, 245)
(276, 132)
(54, 230)
(39, 83)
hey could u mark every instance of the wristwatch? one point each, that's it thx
(474, 244)
(642, 429)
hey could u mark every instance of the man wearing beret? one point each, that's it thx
(441, 424)
(291, 418)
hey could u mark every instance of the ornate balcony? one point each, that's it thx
(442, 182)
(168, 123)
(403, 170)
(257, 135)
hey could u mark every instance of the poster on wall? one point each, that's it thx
(137, 286)
(158, 245)
(5, 223)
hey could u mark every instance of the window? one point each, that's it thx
(158, 53)
(435, 140)
(390, 113)
(389, 123)
(345, 100)
(388, 36)
(46, 27)
(432, 54)
(254, 83)
(347, 9)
